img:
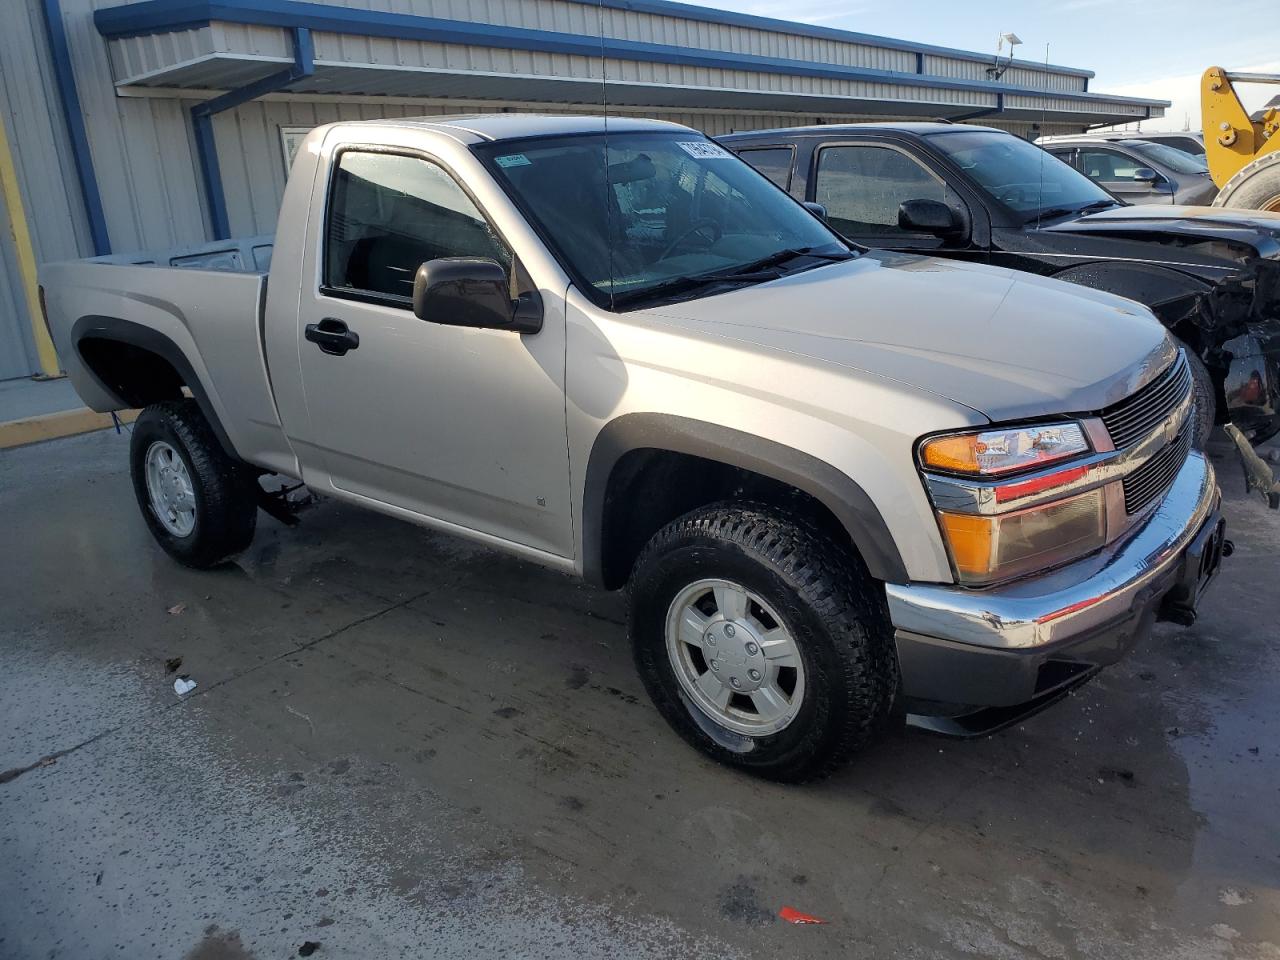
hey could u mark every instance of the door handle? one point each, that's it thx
(332, 336)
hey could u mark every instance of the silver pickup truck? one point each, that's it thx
(842, 486)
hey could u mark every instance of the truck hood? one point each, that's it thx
(1258, 228)
(1009, 345)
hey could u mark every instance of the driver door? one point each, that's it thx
(460, 425)
(862, 185)
(1114, 172)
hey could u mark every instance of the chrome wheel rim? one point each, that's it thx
(734, 657)
(169, 489)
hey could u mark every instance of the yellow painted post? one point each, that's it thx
(26, 256)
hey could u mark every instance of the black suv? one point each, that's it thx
(980, 194)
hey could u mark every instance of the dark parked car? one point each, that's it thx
(984, 195)
(1137, 171)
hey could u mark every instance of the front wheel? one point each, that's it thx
(1205, 394)
(198, 502)
(761, 641)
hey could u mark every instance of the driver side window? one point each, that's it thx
(863, 186)
(1106, 166)
(388, 214)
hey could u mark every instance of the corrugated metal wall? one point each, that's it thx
(17, 352)
(46, 174)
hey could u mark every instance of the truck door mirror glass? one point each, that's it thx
(930, 216)
(817, 209)
(1145, 175)
(473, 292)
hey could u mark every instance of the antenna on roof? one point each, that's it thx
(1043, 152)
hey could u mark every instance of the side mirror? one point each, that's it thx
(817, 209)
(1145, 175)
(472, 292)
(931, 216)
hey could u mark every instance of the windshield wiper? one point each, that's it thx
(1050, 213)
(794, 253)
(679, 285)
(757, 271)
(1064, 211)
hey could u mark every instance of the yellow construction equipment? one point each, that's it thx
(1243, 151)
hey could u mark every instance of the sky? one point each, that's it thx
(1147, 48)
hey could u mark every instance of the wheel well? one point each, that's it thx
(140, 366)
(648, 488)
(139, 377)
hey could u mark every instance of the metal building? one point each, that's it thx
(155, 123)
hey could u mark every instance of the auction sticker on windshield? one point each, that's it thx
(703, 150)
(514, 160)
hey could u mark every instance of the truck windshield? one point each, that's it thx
(1019, 174)
(677, 218)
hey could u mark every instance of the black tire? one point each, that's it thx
(1255, 186)
(834, 610)
(1205, 415)
(226, 508)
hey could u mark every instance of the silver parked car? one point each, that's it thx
(1137, 171)
(1188, 141)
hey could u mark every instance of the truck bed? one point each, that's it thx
(207, 303)
(237, 255)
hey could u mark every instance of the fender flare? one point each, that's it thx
(840, 494)
(135, 334)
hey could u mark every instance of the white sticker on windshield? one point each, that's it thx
(703, 149)
(514, 160)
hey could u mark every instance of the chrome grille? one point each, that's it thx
(1153, 478)
(1136, 416)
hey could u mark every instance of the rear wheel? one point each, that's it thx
(198, 502)
(1254, 187)
(761, 641)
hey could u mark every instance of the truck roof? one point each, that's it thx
(920, 128)
(477, 128)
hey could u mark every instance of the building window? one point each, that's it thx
(290, 140)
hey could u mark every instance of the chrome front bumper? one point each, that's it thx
(1080, 599)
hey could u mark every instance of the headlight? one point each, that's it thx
(977, 480)
(999, 451)
(987, 548)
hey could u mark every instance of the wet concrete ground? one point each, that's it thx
(402, 746)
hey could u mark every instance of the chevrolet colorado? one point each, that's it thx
(840, 486)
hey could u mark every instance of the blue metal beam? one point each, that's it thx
(304, 65)
(73, 116)
(157, 16)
